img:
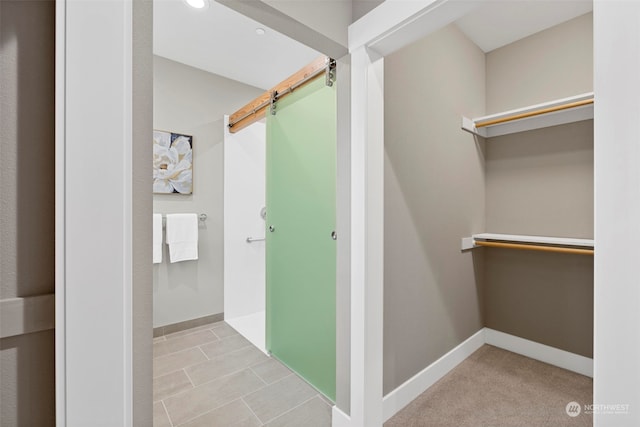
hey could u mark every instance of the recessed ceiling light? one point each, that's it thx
(198, 4)
(260, 31)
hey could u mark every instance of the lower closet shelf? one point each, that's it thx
(535, 243)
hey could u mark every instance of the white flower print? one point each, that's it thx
(172, 164)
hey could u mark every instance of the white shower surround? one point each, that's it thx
(244, 263)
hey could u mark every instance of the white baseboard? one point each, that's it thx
(544, 353)
(413, 387)
(339, 418)
(419, 383)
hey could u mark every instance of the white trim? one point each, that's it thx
(94, 198)
(60, 185)
(469, 125)
(384, 19)
(339, 418)
(397, 23)
(467, 243)
(127, 215)
(537, 107)
(569, 115)
(547, 240)
(390, 26)
(396, 400)
(367, 230)
(25, 315)
(544, 353)
(419, 383)
(617, 209)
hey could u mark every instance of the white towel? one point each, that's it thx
(182, 237)
(157, 238)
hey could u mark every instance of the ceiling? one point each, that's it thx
(224, 42)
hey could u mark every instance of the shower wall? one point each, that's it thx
(244, 262)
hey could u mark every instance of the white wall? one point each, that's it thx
(191, 101)
(244, 197)
(103, 177)
(617, 209)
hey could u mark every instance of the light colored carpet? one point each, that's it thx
(497, 388)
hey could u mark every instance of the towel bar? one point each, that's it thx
(201, 217)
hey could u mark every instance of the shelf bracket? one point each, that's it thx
(470, 126)
(468, 243)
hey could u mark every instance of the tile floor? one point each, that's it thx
(211, 376)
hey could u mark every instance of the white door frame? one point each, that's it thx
(93, 306)
(384, 30)
(393, 25)
(103, 182)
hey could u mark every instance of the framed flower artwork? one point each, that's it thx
(172, 163)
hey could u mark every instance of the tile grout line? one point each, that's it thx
(186, 348)
(230, 373)
(256, 374)
(186, 334)
(190, 331)
(203, 353)
(207, 412)
(248, 366)
(189, 378)
(224, 376)
(224, 353)
(167, 413)
(250, 409)
(176, 369)
(291, 409)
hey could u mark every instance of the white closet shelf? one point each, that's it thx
(540, 243)
(558, 112)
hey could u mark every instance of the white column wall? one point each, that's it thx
(367, 226)
(617, 211)
(103, 70)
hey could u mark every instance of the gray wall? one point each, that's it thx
(27, 371)
(551, 64)
(343, 227)
(434, 195)
(541, 183)
(329, 18)
(359, 8)
(194, 102)
(441, 185)
(142, 300)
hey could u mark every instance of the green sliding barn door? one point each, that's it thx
(301, 251)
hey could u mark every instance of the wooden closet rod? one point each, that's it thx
(534, 113)
(255, 110)
(534, 247)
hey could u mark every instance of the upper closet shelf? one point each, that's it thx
(558, 112)
(540, 243)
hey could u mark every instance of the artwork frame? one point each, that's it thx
(172, 163)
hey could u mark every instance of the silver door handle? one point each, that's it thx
(255, 239)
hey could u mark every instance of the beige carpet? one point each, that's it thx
(497, 388)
